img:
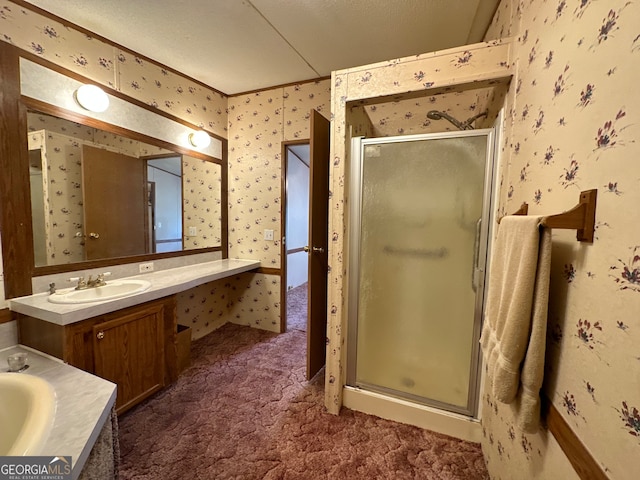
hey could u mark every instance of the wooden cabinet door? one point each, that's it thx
(129, 351)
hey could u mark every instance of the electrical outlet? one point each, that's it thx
(268, 234)
(193, 231)
(146, 267)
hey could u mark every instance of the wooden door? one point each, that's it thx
(115, 204)
(129, 351)
(318, 243)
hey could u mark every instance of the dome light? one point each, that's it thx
(199, 139)
(92, 98)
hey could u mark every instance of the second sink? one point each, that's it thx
(27, 411)
(110, 291)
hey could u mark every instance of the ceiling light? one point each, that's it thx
(92, 98)
(199, 139)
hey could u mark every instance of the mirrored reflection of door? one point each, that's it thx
(421, 202)
(114, 192)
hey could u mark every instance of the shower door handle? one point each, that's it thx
(476, 255)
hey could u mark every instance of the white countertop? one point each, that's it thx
(84, 403)
(163, 283)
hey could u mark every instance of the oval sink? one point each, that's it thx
(110, 291)
(27, 411)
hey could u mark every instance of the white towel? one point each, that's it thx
(515, 323)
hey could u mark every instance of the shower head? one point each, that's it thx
(437, 115)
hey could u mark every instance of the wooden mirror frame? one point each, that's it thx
(15, 201)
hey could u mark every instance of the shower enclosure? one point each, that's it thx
(419, 226)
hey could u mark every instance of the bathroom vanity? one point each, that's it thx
(130, 340)
(133, 347)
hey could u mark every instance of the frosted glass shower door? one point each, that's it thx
(420, 205)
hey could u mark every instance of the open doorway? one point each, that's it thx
(297, 234)
(306, 220)
(164, 194)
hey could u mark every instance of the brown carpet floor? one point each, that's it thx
(297, 308)
(244, 411)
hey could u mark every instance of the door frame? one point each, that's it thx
(283, 221)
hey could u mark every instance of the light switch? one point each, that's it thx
(268, 234)
(193, 231)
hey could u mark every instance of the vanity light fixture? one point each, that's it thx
(92, 98)
(199, 139)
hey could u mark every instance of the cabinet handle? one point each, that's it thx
(100, 335)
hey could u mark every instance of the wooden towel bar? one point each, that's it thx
(581, 218)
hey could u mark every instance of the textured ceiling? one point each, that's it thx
(242, 45)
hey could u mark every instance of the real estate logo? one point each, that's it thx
(35, 468)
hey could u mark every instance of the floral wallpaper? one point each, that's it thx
(256, 129)
(202, 205)
(254, 301)
(110, 66)
(203, 308)
(573, 125)
(167, 91)
(62, 188)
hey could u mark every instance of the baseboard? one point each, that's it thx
(576, 452)
(6, 315)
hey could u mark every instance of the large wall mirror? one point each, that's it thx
(99, 195)
(84, 190)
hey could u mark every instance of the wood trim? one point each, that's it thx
(284, 85)
(268, 271)
(224, 199)
(298, 141)
(71, 267)
(94, 35)
(15, 199)
(41, 335)
(7, 315)
(578, 455)
(283, 229)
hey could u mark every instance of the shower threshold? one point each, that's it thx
(411, 413)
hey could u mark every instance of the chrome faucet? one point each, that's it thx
(91, 283)
(99, 281)
(82, 284)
